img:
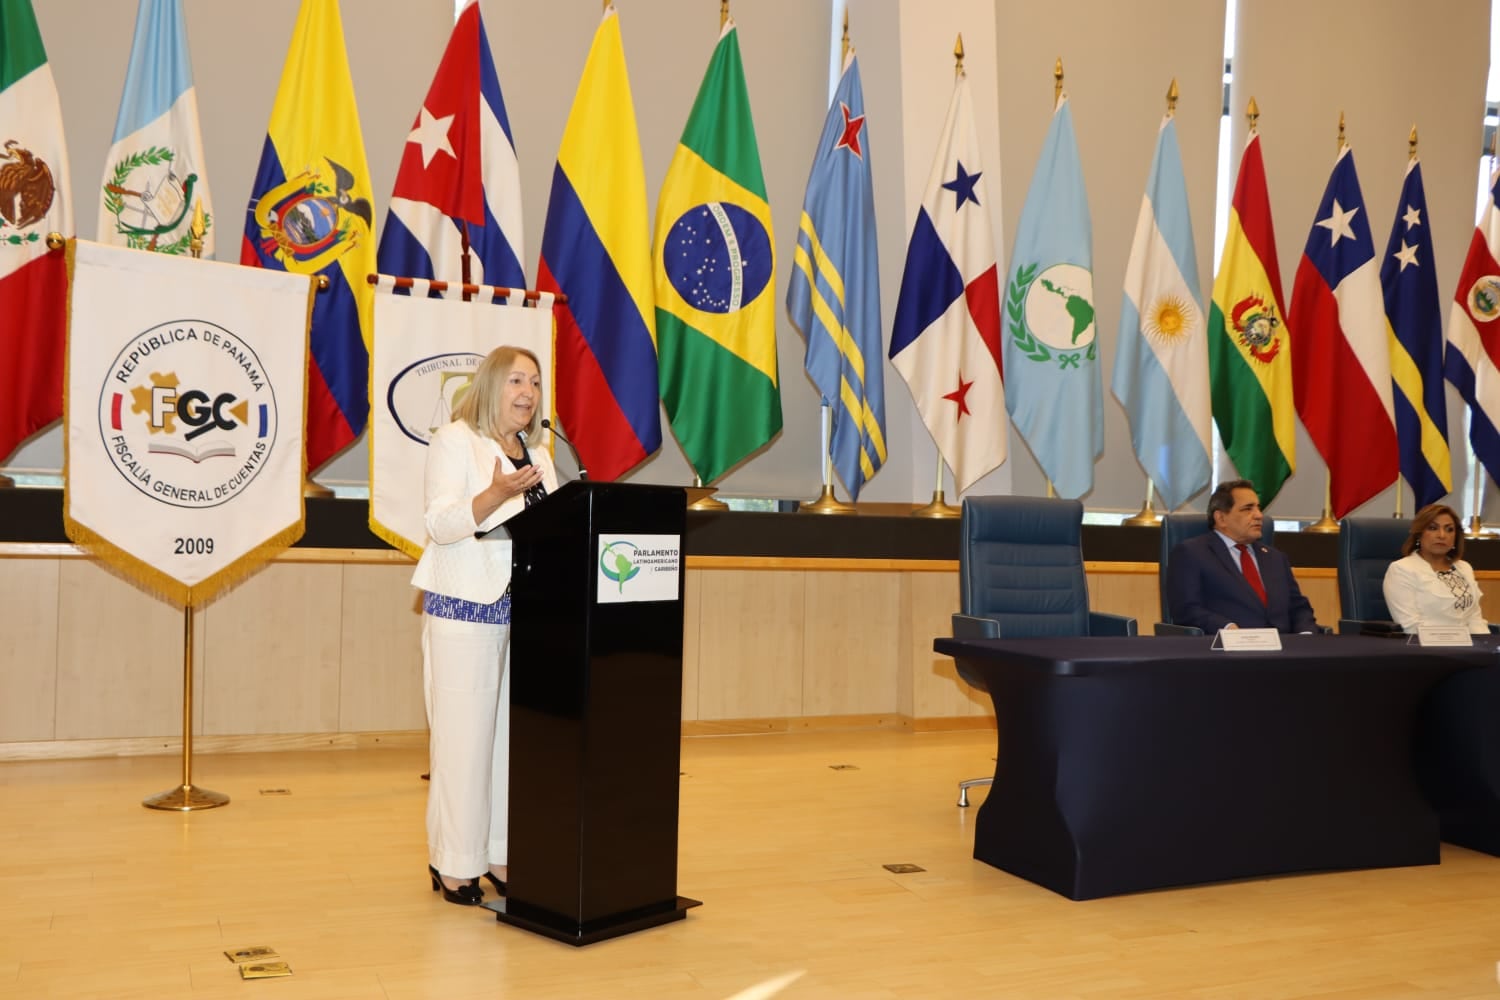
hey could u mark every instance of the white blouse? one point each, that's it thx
(1416, 594)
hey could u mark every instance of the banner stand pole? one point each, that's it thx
(186, 798)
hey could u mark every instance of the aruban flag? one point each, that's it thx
(455, 213)
(310, 213)
(1472, 360)
(154, 179)
(1408, 277)
(834, 296)
(1341, 356)
(1055, 390)
(1249, 363)
(1161, 363)
(596, 250)
(33, 203)
(946, 338)
(716, 278)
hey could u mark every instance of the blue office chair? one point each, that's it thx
(1367, 546)
(1175, 529)
(1020, 572)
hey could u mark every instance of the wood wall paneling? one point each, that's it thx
(851, 643)
(750, 644)
(380, 650)
(28, 661)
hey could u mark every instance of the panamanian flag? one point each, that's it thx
(458, 175)
(946, 338)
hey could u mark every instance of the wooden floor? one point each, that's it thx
(100, 898)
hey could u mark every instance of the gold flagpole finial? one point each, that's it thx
(1342, 142)
(1411, 142)
(1057, 80)
(723, 13)
(1252, 114)
(958, 55)
(844, 42)
(1172, 93)
(198, 228)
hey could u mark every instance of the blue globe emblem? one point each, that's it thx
(718, 257)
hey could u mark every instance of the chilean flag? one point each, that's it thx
(946, 338)
(458, 175)
(1341, 360)
(1472, 359)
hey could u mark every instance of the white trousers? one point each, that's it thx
(467, 683)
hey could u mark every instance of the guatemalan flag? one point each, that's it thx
(310, 213)
(1472, 360)
(1161, 362)
(154, 179)
(946, 338)
(1341, 360)
(596, 250)
(458, 175)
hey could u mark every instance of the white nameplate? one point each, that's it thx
(1444, 635)
(1240, 640)
(638, 568)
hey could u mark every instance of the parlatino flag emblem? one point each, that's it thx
(150, 201)
(1052, 314)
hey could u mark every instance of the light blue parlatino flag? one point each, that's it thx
(1053, 388)
(1161, 363)
(834, 296)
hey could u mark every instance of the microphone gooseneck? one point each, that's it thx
(582, 472)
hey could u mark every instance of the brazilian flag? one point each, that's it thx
(715, 269)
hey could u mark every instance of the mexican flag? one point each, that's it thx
(34, 200)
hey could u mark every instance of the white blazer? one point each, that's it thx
(461, 464)
(1415, 596)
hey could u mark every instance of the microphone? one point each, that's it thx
(582, 472)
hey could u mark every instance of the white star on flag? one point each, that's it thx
(432, 135)
(1413, 217)
(1406, 255)
(1337, 223)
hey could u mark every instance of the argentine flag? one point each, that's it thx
(1161, 362)
(154, 178)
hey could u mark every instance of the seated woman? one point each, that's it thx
(1431, 584)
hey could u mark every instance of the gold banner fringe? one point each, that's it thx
(398, 542)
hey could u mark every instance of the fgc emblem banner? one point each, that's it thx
(184, 401)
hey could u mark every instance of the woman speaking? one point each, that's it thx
(1431, 584)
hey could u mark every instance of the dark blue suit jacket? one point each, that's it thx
(1206, 588)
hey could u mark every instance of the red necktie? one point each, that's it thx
(1252, 575)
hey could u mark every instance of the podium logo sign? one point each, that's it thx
(635, 568)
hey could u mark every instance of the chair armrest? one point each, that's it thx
(1103, 623)
(1164, 628)
(1367, 626)
(971, 627)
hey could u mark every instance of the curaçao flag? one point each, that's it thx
(33, 202)
(716, 278)
(1472, 359)
(1408, 278)
(1341, 356)
(1161, 361)
(945, 341)
(834, 296)
(596, 249)
(310, 213)
(1249, 363)
(154, 178)
(458, 177)
(1055, 390)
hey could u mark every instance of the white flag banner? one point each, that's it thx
(185, 394)
(426, 352)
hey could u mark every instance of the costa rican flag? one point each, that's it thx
(1472, 359)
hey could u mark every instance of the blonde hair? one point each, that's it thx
(481, 401)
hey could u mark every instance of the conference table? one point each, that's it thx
(1128, 764)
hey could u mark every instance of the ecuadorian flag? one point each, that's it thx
(716, 278)
(596, 250)
(310, 213)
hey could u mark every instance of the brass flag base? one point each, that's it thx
(186, 798)
(6, 482)
(1475, 527)
(827, 503)
(1145, 519)
(938, 507)
(702, 498)
(1324, 525)
(312, 489)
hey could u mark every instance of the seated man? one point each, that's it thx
(1228, 578)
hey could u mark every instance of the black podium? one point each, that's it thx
(595, 711)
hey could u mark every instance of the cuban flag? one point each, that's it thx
(154, 179)
(1341, 346)
(1161, 364)
(1472, 359)
(946, 338)
(458, 177)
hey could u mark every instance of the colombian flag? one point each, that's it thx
(716, 278)
(596, 249)
(310, 213)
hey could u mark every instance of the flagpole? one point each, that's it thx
(310, 488)
(827, 503)
(186, 798)
(1326, 525)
